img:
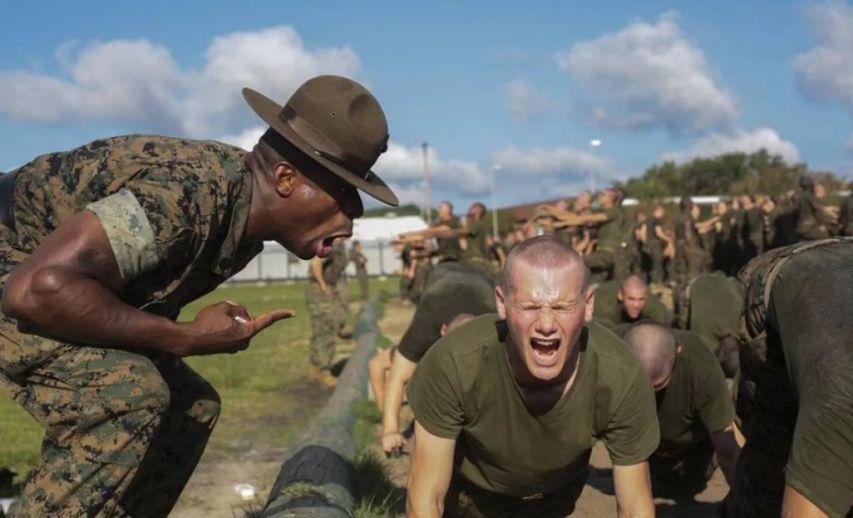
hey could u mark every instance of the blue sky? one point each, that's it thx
(525, 85)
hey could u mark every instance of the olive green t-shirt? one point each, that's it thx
(477, 240)
(448, 248)
(696, 402)
(612, 233)
(715, 306)
(452, 288)
(608, 310)
(809, 316)
(463, 389)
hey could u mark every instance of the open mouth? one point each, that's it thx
(325, 245)
(545, 351)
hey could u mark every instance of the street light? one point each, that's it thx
(594, 143)
(495, 169)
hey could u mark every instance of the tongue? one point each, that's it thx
(324, 248)
(544, 354)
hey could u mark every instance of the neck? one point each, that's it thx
(254, 227)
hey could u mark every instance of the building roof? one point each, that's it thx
(386, 228)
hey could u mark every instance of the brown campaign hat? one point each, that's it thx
(336, 122)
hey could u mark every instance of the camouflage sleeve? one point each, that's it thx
(129, 232)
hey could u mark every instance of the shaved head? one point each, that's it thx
(632, 295)
(634, 283)
(460, 320)
(656, 348)
(543, 252)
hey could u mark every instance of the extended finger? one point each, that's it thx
(271, 317)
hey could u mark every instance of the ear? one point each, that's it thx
(619, 295)
(678, 349)
(500, 302)
(589, 310)
(443, 330)
(284, 177)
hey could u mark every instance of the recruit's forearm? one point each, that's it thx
(70, 306)
(401, 372)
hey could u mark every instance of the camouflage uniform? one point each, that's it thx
(810, 224)
(324, 310)
(690, 258)
(124, 430)
(845, 218)
(339, 265)
(654, 247)
(360, 262)
(610, 259)
(794, 397)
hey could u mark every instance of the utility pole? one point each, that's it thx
(427, 209)
(495, 169)
(594, 143)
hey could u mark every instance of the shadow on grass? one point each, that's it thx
(375, 495)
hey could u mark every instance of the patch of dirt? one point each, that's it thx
(247, 459)
(395, 319)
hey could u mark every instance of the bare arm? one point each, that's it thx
(70, 288)
(795, 505)
(316, 268)
(429, 476)
(402, 370)
(633, 491)
(727, 445)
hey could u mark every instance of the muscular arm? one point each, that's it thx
(70, 288)
(633, 491)
(430, 473)
(402, 370)
(727, 445)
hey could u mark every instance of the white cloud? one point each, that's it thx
(403, 165)
(826, 71)
(650, 75)
(524, 101)
(246, 139)
(738, 140)
(554, 161)
(136, 81)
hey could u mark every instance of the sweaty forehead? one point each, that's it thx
(545, 283)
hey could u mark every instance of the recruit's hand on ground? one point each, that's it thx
(226, 327)
(392, 443)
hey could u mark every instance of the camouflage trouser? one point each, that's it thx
(324, 311)
(123, 432)
(689, 262)
(606, 264)
(340, 291)
(418, 283)
(363, 283)
(464, 500)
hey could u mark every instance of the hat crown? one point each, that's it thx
(344, 112)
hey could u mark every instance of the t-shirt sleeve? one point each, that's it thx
(155, 219)
(820, 465)
(633, 433)
(435, 395)
(422, 332)
(713, 402)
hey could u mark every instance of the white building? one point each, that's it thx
(375, 235)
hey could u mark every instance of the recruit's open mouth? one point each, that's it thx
(545, 351)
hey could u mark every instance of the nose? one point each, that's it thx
(546, 324)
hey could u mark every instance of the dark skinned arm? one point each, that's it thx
(69, 288)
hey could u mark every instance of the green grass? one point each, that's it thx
(267, 393)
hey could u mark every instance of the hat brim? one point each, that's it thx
(269, 111)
